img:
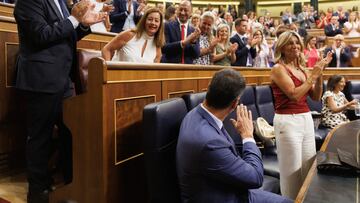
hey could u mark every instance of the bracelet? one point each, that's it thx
(310, 81)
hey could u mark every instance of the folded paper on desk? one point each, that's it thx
(333, 162)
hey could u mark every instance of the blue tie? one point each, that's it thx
(64, 9)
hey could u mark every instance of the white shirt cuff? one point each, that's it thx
(248, 46)
(248, 140)
(74, 21)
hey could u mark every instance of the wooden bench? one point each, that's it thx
(6, 9)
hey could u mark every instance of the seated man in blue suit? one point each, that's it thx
(208, 166)
(182, 44)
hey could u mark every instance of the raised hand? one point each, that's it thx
(244, 123)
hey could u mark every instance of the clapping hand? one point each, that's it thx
(84, 12)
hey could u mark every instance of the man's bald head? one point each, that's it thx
(184, 11)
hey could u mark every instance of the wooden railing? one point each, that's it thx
(6, 9)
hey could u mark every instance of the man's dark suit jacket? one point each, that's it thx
(47, 46)
(330, 32)
(119, 15)
(345, 57)
(208, 166)
(172, 50)
(242, 51)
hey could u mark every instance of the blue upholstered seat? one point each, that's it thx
(161, 123)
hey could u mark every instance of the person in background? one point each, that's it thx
(352, 27)
(143, 44)
(246, 51)
(206, 40)
(105, 25)
(161, 7)
(301, 31)
(263, 52)
(230, 22)
(224, 53)
(208, 166)
(288, 17)
(312, 55)
(293, 123)
(322, 21)
(305, 18)
(341, 53)
(47, 57)
(334, 103)
(342, 16)
(182, 44)
(195, 20)
(125, 15)
(170, 14)
(333, 28)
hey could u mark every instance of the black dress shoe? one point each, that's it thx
(38, 197)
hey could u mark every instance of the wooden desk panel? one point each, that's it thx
(6, 9)
(328, 188)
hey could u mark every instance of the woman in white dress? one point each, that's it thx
(352, 27)
(141, 45)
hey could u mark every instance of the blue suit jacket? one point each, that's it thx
(119, 15)
(242, 51)
(208, 166)
(172, 50)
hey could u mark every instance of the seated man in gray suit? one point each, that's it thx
(208, 166)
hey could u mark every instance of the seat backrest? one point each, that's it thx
(264, 102)
(81, 73)
(352, 90)
(314, 105)
(161, 123)
(193, 99)
(248, 99)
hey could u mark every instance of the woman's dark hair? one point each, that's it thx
(225, 87)
(333, 80)
(308, 39)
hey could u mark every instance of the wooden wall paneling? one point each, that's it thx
(177, 88)
(203, 84)
(84, 44)
(6, 9)
(12, 112)
(123, 140)
(86, 118)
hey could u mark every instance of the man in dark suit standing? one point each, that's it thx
(47, 54)
(341, 53)
(246, 51)
(333, 28)
(209, 167)
(182, 44)
(125, 15)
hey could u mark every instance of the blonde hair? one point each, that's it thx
(159, 37)
(282, 41)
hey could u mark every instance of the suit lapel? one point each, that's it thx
(221, 132)
(55, 8)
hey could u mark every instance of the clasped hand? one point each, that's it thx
(84, 12)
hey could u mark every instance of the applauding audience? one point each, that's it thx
(182, 44)
(142, 44)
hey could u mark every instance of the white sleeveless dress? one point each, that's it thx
(131, 51)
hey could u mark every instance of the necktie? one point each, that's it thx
(249, 60)
(64, 9)
(244, 40)
(182, 38)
